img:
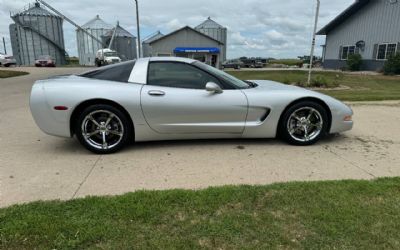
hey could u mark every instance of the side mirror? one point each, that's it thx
(213, 87)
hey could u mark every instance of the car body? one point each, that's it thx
(233, 64)
(7, 60)
(106, 57)
(45, 61)
(168, 98)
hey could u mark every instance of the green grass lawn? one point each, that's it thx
(9, 73)
(289, 62)
(314, 215)
(362, 87)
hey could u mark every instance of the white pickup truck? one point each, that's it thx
(106, 57)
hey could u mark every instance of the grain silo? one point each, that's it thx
(124, 42)
(216, 31)
(37, 32)
(87, 45)
(146, 43)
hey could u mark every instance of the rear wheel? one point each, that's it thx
(103, 129)
(304, 123)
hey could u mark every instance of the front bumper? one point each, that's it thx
(340, 121)
(9, 62)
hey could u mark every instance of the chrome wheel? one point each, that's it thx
(305, 124)
(102, 129)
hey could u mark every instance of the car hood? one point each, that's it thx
(288, 93)
(277, 88)
(271, 85)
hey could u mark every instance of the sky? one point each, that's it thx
(265, 28)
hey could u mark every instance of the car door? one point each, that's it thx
(175, 101)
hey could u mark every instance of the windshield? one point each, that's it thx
(110, 54)
(225, 76)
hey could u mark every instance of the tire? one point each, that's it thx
(301, 117)
(93, 120)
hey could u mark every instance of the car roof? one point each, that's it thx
(171, 59)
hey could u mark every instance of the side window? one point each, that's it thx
(178, 75)
(118, 72)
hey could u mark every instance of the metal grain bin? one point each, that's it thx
(124, 43)
(216, 31)
(87, 46)
(146, 43)
(37, 32)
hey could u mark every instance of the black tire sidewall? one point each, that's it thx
(124, 119)
(284, 133)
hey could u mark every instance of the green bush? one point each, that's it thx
(392, 65)
(319, 82)
(354, 62)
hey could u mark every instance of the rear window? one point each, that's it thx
(117, 72)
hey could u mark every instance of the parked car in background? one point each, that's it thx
(45, 61)
(253, 62)
(233, 64)
(258, 64)
(7, 60)
(107, 57)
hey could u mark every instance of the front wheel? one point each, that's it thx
(304, 123)
(103, 129)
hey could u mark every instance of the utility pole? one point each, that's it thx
(4, 44)
(313, 42)
(138, 30)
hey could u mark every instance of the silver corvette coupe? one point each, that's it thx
(167, 98)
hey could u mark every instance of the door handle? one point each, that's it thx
(156, 93)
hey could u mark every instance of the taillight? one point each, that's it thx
(61, 108)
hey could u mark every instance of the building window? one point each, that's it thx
(347, 51)
(386, 50)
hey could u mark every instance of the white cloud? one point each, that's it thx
(256, 27)
(172, 25)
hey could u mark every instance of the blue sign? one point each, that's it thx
(196, 50)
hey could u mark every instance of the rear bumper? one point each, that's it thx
(46, 117)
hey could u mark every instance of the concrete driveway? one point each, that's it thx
(35, 166)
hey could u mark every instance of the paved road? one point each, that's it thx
(35, 166)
